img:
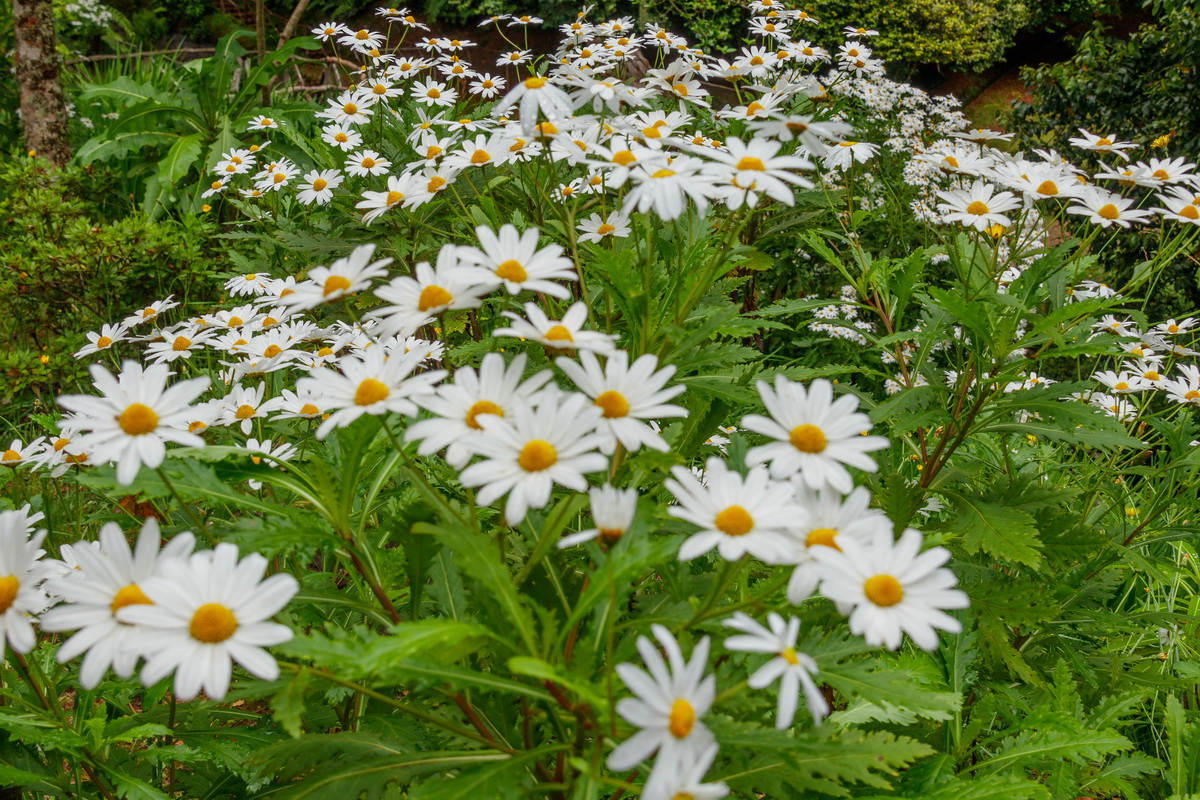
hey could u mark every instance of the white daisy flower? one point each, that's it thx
(106, 338)
(831, 517)
(525, 453)
(204, 614)
(496, 389)
(428, 293)
(891, 588)
(564, 334)
(736, 515)
(341, 136)
(245, 404)
(108, 579)
(596, 228)
(21, 596)
(178, 343)
(670, 699)
(666, 189)
(979, 207)
(374, 383)
(685, 779)
(612, 513)
(533, 96)
(793, 669)
(627, 394)
(135, 417)
(318, 187)
(150, 313)
(514, 259)
(19, 454)
(815, 435)
(367, 162)
(1105, 208)
(378, 203)
(345, 276)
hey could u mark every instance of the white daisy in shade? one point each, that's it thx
(756, 166)
(18, 454)
(514, 259)
(244, 404)
(178, 343)
(564, 334)
(793, 669)
(378, 203)
(665, 190)
(108, 580)
(20, 577)
(1101, 144)
(612, 513)
(537, 446)
(979, 207)
(429, 292)
(375, 383)
(135, 417)
(205, 613)
(495, 389)
(831, 517)
(815, 435)
(671, 698)
(367, 162)
(596, 228)
(345, 276)
(891, 588)
(627, 395)
(686, 780)
(736, 515)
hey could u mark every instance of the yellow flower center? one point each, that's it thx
(196, 426)
(435, 183)
(181, 343)
(325, 352)
(1192, 395)
(1108, 211)
(822, 536)
(319, 184)
(272, 351)
(341, 137)
(433, 297)
(360, 35)
(789, 655)
(368, 162)
(680, 89)
(244, 411)
(103, 342)
(480, 157)
(652, 132)
(1151, 375)
(370, 392)
(734, 521)
(235, 322)
(807, 438)
(613, 404)
(482, 407)
(537, 455)
(350, 108)
(9, 586)
(511, 270)
(393, 198)
(662, 173)
(978, 208)
(131, 595)
(336, 283)
(883, 590)
(279, 177)
(212, 623)
(756, 61)
(682, 718)
(138, 419)
(559, 333)
(309, 410)
(1190, 212)
(1104, 142)
(605, 229)
(1161, 174)
(751, 163)
(624, 157)
(535, 83)
(1047, 188)
(59, 444)
(1120, 386)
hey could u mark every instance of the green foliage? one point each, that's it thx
(65, 268)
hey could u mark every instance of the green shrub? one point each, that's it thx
(65, 269)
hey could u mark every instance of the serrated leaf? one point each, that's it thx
(999, 530)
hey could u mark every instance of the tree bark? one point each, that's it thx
(293, 21)
(43, 107)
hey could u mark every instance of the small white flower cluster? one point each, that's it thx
(1148, 366)
(191, 614)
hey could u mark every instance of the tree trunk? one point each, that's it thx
(43, 108)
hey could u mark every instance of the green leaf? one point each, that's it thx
(124, 88)
(999, 530)
(499, 779)
(179, 158)
(288, 703)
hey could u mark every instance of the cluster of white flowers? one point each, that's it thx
(85, 13)
(191, 614)
(1147, 366)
